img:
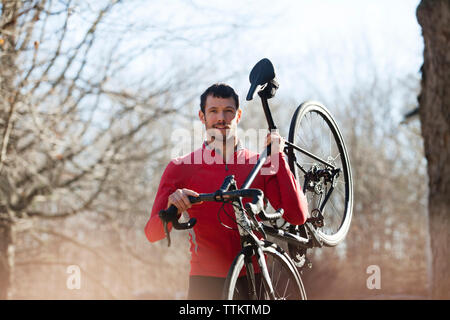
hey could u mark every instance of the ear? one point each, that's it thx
(238, 115)
(201, 115)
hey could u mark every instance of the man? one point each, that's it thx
(214, 239)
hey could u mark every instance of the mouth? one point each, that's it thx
(221, 127)
(222, 132)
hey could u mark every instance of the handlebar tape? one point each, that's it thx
(271, 216)
(262, 213)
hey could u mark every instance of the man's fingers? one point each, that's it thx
(178, 202)
(185, 201)
(276, 140)
(190, 192)
(180, 199)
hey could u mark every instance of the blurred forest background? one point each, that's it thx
(89, 97)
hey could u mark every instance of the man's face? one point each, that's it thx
(220, 118)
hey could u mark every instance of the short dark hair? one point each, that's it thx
(219, 90)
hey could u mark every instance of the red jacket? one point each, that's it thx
(213, 246)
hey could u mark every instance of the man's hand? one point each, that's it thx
(276, 140)
(180, 199)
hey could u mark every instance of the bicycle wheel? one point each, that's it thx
(285, 279)
(323, 170)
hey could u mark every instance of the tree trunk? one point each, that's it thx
(9, 14)
(8, 72)
(6, 260)
(434, 106)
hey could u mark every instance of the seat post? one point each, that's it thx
(267, 92)
(267, 112)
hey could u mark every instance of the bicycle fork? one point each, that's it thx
(265, 273)
(251, 280)
(250, 242)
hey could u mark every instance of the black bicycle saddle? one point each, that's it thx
(262, 73)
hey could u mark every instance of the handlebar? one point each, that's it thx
(171, 215)
(262, 214)
(255, 207)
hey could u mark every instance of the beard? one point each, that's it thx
(222, 137)
(221, 133)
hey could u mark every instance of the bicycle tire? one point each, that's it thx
(285, 279)
(310, 121)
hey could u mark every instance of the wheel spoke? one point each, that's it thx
(285, 289)
(314, 130)
(286, 284)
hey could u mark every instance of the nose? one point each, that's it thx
(221, 117)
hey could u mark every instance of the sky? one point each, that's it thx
(317, 47)
(311, 43)
(337, 41)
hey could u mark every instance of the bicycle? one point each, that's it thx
(327, 183)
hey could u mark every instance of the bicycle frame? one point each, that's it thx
(250, 244)
(275, 232)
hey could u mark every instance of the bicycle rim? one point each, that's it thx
(285, 279)
(314, 129)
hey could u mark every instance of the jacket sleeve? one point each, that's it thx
(283, 191)
(169, 183)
